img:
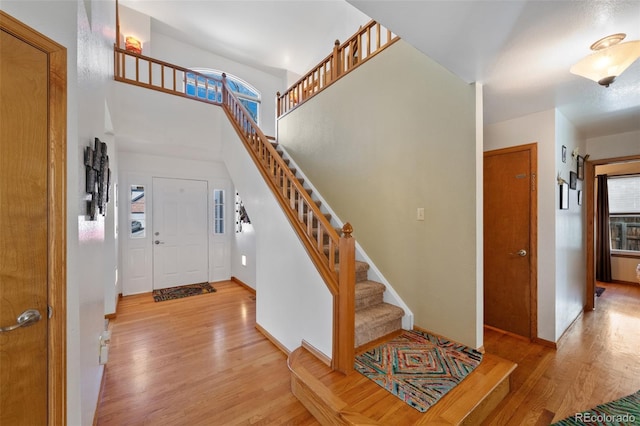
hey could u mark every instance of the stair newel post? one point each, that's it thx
(278, 105)
(335, 65)
(346, 301)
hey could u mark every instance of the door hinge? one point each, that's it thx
(49, 312)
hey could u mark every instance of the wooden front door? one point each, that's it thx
(510, 240)
(32, 226)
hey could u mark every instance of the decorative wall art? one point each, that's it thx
(564, 196)
(564, 154)
(580, 167)
(573, 180)
(98, 179)
(241, 214)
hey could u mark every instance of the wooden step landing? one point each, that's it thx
(336, 399)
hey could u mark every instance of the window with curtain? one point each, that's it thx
(624, 212)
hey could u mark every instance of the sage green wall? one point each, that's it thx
(395, 135)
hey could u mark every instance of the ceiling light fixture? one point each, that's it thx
(609, 60)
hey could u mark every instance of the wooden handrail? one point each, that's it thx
(333, 256)
(359, 48)
(152, 74)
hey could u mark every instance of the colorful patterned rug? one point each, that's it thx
(182, 291)
(417, 367)
(623, 411)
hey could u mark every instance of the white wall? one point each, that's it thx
(538, 128)
(86, 29)
(396, 135)
(164, 47)
(244, 244)
(151, 122)
(614, 146)
(570, 250)
(293, 302)
(112, 283)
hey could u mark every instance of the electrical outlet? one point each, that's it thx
(420, 214)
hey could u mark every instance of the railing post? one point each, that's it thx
(117, 25)
(346, 302)
(224, 88)
(335, 65)
(278, 109)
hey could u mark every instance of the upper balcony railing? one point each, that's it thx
(143, 71)
(363, 45)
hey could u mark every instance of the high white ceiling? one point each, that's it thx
(521, 50)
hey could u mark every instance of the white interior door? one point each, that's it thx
(180, 234)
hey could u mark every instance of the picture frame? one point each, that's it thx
(564, 154)
(579, 198)
(564, 196)
(573, 180)
(580, 168)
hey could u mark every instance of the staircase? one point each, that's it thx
(374, 318)
(331, 250)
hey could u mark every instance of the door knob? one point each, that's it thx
(521, 253)
(25, 319)
(158, 242)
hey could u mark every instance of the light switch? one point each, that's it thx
(420, 214)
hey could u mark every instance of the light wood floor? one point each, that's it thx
(598, 361)
(195, 361)
(200, 361)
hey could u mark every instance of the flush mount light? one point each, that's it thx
(609, 60)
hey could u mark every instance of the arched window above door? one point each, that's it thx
(248, 95)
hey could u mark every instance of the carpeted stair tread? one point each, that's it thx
(369, 293)
(362, 270)
(377, 321)
(378, 313)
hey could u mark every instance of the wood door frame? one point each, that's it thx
(532, 148)
(590, 240)
(57, 207)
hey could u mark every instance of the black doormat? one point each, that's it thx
(599, 291)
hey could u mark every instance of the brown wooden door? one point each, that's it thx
(32, 228)
(509, 240)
